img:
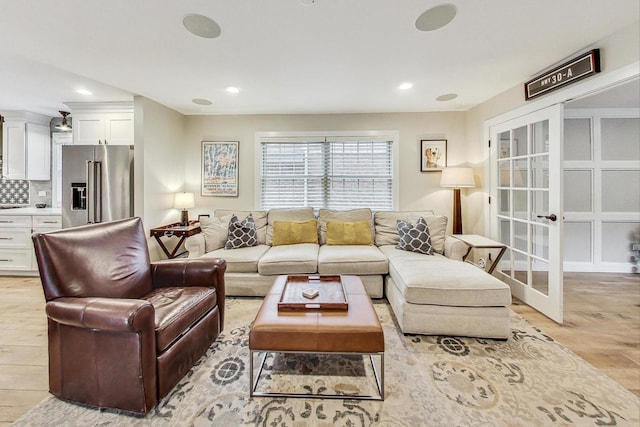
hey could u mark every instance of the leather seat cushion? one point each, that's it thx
(177, 309)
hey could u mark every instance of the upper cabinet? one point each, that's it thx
(26, 146)
(102, 123)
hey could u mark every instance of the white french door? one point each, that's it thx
(526, 211)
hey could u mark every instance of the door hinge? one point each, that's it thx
(489, 199)
(489, 143)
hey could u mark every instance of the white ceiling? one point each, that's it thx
(286, 56)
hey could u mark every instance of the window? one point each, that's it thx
(332, 171)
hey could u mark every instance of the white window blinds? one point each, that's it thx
(327, 172)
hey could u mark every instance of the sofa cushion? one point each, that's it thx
(386, 226)
(387, 231)
(438, 280)
(215, 232)
(259, 218)
(352, 259)
(242, 233)
(176, 309)
(286, 214)
(290, 259)
(352, 215)
(348, 233)
(415, 237)
(243, 260)
(294, 232)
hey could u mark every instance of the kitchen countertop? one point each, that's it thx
(30, 210)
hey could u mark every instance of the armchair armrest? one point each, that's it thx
(181, 272)
(454, 248)
(195, 245)
(106, 314)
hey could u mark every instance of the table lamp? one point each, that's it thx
(457, 178)
(184, 201)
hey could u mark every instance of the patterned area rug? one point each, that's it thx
(528, 380)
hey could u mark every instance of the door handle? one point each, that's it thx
(551, 217)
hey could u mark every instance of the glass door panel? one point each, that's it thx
(504, 148)
(539, 205)
(520, 141)
(540, 277)
(526, 185)
(540, 137)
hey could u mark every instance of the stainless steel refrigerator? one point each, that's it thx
(97, 183)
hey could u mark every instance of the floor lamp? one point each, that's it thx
(457, 178)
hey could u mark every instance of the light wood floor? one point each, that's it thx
(602, 325)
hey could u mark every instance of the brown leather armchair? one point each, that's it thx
(123, 330)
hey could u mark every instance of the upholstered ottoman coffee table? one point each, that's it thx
(316, 329)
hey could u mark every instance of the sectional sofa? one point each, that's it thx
(435, 294)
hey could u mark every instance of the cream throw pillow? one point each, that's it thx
(215, 231)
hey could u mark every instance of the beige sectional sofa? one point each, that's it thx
(430, 294)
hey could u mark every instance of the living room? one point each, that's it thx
(168, 143)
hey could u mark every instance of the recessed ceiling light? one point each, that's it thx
(436, 17)
(84, 92)
(201, 101)
(201, 26)
(232, 89)
(405, 86)
(447, 97)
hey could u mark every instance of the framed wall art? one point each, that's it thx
(433, 155)
(220, 168)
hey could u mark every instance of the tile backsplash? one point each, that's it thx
(14, 192)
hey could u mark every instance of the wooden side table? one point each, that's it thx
(474, 241)
(177, 230)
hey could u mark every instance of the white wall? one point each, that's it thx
(159, 164)
(417, 190)
(170, 146)
(616, 51)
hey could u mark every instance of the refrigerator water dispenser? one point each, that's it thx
(78, 196)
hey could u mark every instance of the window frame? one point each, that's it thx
(392, 135)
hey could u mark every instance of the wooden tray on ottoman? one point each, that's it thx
(332, 295)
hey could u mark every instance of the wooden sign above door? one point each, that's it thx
(576, 69)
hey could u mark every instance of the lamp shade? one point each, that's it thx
(457, 178)
(184, 201)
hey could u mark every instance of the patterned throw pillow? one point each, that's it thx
(242, 234)
(414, 238)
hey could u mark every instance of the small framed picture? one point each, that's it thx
(433, 155)
(220, 168)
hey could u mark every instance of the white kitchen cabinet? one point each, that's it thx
(43, 224)
(26, 146)
(17, 256)
(102, 123)
(16, 253)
